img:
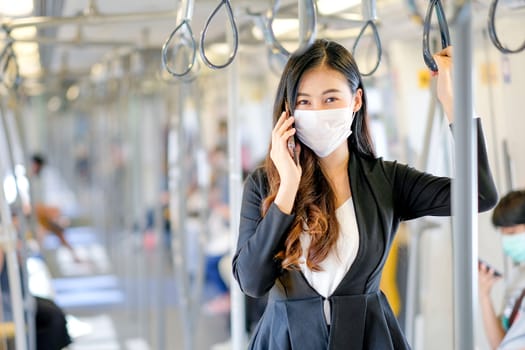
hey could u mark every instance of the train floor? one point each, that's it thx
(128, 298)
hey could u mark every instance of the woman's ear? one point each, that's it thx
(358, 100)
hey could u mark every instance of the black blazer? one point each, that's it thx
(383, 193)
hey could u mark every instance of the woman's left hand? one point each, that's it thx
(444, 81)
(486, 279)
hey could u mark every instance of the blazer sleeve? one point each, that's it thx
(260, 238)
(419, 194)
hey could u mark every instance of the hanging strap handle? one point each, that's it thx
(370, 23)
(494, 36)
(443, 28)
(235, 33)
(187, 40)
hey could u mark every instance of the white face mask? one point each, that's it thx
(323, 130)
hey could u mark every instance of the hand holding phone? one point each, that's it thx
(488, 267)
(291, 139)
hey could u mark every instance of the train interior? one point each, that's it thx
(144, 118)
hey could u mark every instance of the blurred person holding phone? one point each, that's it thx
(507, 331)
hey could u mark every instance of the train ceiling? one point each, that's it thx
(75, 35)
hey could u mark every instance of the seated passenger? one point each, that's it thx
(50, 321)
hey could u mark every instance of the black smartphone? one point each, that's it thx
(291, 139)
(489, 267)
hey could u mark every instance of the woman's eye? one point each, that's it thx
(302, 102)
(331, 99)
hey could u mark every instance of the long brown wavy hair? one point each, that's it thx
(314, 206)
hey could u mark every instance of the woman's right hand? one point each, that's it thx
(289, 171)
(444, 82)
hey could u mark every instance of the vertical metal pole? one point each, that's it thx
(464, 188)
(160, 249)
(235, 170)
(203, 179)
(13, 272)
(177, 187)
(8, 241)
(368, 9)
(508, 167)
(132, 131)
(301, 5)
(412, 305)
(17, 152)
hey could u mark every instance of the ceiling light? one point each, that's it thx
(29, 64)
(16, 8)
(330, 7)
(73, 92)
(282, 26)
(24, 32)
(25, 48)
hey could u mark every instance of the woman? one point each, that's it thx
(507, 332)
(315, 233)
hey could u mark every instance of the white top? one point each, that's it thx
(515, 336)
(339, 260)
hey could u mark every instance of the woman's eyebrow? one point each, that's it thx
(330, 91)
(324, 92)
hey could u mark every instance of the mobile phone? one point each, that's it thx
(291, 139)
(489, 267)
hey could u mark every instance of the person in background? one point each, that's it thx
(218, 246)
(50, 321)
(318, 219)
(507, 331)
(52, 200)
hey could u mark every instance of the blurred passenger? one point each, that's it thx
(508, 331)
(218, 246)
(318, 219)
(50, 321)
(54, 203)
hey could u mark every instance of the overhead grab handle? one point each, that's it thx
(370, 23)
(187, 41)
(492, 31)
(416, 16)
(235, 33)
(310, 29)
(443, 29)
(369, 12)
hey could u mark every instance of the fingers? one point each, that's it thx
(487, 272)
(283, 125)
(483, 269)
(485, 280)
(280, 121)
(446, 52)
(443, 59)
(284, 116)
